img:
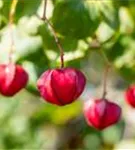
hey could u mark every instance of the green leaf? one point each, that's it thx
(128, 73)
(125, 62)
(68, 43)
(74, 21)
(109, 11)
(126, 21)
(5, 8)
(27, 8)
(29, 25)
(24, 8)
(104, 32)
(74, 58)
(116, 50)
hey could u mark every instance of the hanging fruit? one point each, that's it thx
(12, 79)
(130, 96)
(101, 113)
(61, 86)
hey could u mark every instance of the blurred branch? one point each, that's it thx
(12, 11)
(11, 21)
(45, 5)
(105, 81)
(108, 66)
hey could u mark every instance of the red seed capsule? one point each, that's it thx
(12, 79)
(101, 113)
(130, 96)
(61, 86)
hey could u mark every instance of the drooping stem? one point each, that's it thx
(105, 81)
(44, 18)
(11, 21)
(105, 76)
(45, 7)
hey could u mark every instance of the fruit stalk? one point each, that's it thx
(44, 18)
(105, 81)
(108, 66)
(11, 21)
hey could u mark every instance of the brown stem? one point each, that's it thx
(105, 81)
(108, 66)
(45, 7)
(44, 18)
(11, 21)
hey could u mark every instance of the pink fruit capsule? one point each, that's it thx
(61, 86)
(130, 96)
(101, 113)
(12, 79)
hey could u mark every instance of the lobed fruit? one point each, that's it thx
(12, 79)
(101, 113)
(130, 96)
(61, 86)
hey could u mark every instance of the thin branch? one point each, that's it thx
(105, 81)
(44, 18)
(97, 44)
(45, 7)
(108, 66)
(11, 21)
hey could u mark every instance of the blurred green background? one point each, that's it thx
(88, 30)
